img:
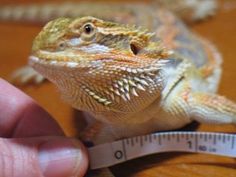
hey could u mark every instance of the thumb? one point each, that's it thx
(42, 157)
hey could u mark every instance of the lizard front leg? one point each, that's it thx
(202, 107)
(97, 133)
(211, 108)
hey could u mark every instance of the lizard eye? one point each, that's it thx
(88, 28)
(88, 31)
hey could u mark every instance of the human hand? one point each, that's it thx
(31, 142)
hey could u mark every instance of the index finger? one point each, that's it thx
(20, 116)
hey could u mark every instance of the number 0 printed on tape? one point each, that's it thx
(109, 154)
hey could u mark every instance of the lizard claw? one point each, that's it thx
(26, 75)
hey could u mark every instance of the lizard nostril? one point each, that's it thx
(134, 49)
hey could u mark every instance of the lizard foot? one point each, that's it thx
(26, 75)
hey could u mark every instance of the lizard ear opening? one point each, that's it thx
(135, 49)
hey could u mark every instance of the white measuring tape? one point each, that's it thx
(109, 154)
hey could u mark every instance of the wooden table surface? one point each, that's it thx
(15, 44)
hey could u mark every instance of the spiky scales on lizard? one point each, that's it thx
(131, 81)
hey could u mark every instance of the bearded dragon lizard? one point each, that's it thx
(131, 81)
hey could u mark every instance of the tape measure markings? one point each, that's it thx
(109, 154)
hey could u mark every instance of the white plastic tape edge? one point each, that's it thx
(109, 154)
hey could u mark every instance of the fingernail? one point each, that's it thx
(60, 158)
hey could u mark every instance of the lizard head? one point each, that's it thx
(89, 35)
(100, 67)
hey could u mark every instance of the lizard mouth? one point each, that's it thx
(67, 59)
(34, 60)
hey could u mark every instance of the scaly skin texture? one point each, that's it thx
(131, 81)
(156, 19)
